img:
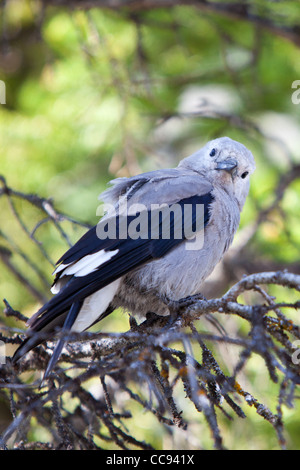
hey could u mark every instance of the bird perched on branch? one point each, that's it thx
(162, 235)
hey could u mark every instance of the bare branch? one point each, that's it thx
(153, 363)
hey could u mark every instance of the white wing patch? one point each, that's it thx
(87, 264)
(59, 284)
(59, 268)
(94, 305)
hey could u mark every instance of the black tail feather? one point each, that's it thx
(37, 337)
(69, 321)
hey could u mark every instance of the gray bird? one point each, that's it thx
(160, 253)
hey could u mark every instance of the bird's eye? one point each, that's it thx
(212, 153)
(243, 175)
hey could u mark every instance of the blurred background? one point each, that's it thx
(88, 95)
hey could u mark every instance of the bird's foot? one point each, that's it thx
(188, 301)
(177, 305)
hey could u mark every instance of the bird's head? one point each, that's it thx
(225, 162)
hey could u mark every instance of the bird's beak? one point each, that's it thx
(227, 165)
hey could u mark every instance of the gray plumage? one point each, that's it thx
(218, 175)
(181, 272)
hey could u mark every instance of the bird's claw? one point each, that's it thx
(177, 305)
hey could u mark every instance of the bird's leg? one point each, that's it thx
(176, 306)
(188, 301)
(167, 321)
(152, 318)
